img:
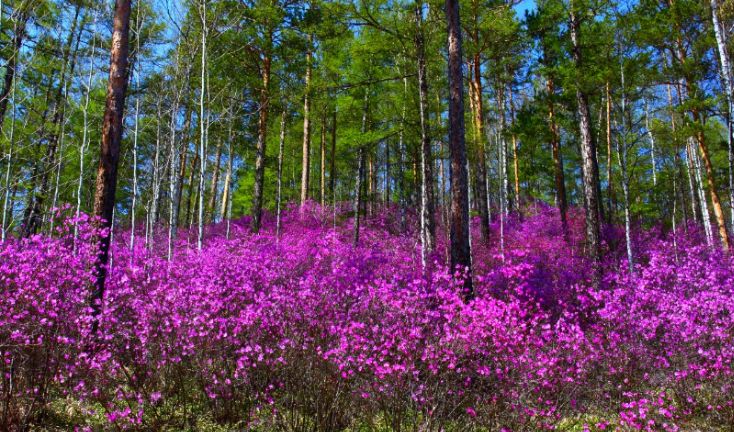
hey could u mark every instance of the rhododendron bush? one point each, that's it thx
(306, 332)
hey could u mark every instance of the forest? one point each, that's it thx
(366, 215)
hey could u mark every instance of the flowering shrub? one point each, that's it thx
(306, 332)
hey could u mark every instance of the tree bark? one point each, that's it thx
(610, 180)
(332, 166)
(459, 230)
(306, 161)
(590, 168)
(515, 160)
(281, 147)
(728, 79)
(428, 224)
(104, 195)
(322, 165)
(214, 187)
(476, 94)
(360, 171)
(262, 132)
(557, 159)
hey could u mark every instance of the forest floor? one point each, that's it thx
(302, 331)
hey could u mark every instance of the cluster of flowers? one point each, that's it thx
(306, 332)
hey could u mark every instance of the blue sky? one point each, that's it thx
(523, 6)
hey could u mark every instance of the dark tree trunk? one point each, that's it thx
(459, 231)
(262, 135)
(590, 168)
(557, 159)
(106, 185)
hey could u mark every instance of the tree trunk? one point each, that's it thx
(590, 168)
(711, 183)
(622, 159)
(460, 244)
(306, 161)
(104, 195)
(476, 94)
(728, 80)
(262, 131)
(332, 166)
(428, 224)
(322, 165)
(214, 187)
(281, 147)
(203, 126)
(610, 180)
(557, 159)
(651, 137)
(183, 157)
(360, 171)
(515, 160)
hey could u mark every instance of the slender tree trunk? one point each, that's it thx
(505, 193)
(557, 159)
(722, 39)
(191, 197)
(476, 93)
(703, 204)
(226, 192)
(155, 181)
(184, 149)
(403, 196)
(711, 183)
(332, 166)
(85, 131)
(388, 174)
(460, 245)
(173, 181)
(306, 162)
(104, 195)
(322, 165)
(370, 184)
(360, 171)
(136, 74)
(610, 180)
(262, 131)
(515, 160)
(228, 201)
(428, 224)
(203, 124)
(651, 136)
(214, 187)
(358, 193)
(622, 159)
(590, 168)
(281, 147)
